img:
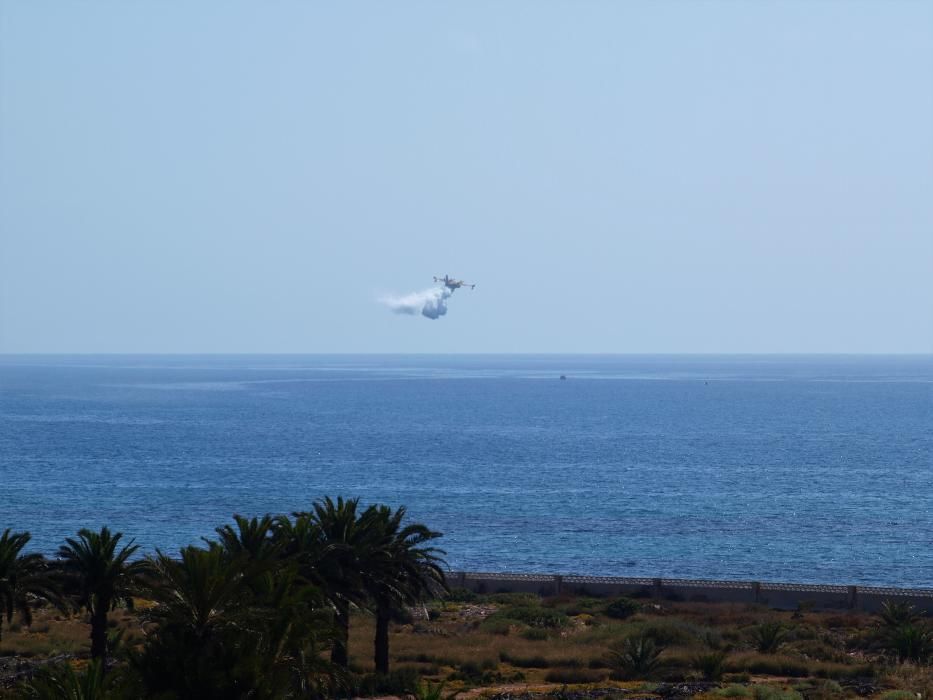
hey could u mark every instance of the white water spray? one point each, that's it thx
(430, 303)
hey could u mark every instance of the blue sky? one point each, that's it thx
(614, 176)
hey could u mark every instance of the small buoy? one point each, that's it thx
(563, 376)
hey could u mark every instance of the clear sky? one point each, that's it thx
(614, 176)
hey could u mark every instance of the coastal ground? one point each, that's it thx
(522, 645)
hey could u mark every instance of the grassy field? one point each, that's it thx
(521, 642)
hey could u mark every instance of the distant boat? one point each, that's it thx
(563, 376)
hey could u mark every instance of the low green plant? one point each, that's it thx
(821, 690)
(622, 608)
(498, 625)
(462, 595)
(709, 664)
(769, 692)
(515, 599)
(897, 695)
(767, 637)
(63, 681)
(910, 642)
(431, 691)
(670, 631)
(634, 657)
(402, 681)
(532, 615)
(535, 634)
(734, 691)
(768, 665)
(894, 614)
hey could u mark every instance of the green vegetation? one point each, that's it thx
(24, 579)
(344, 601)
(99, 578)
(634, 657)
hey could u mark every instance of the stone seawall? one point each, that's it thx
(784, 596)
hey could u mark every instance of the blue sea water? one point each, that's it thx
(784, 468)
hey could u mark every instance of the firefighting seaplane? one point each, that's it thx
(453, 284)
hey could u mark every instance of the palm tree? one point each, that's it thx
(229, 626)
(21, 576)
(401, 571)
(101, 578)
(201, 592)
(345, 541)
(252, 538)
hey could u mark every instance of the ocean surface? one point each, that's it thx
(783, 468)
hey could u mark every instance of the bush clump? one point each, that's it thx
(634, 657)
(709, 664)
(622, 608)
(402, 681)
(532, 615)
(767, 637)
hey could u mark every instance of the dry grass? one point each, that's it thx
(53, 633)
(459, 647)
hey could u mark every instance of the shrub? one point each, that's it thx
(515, 599)
(770, 665)
(403, 616)
(709, 664)
(769, 692)
(498, 625)
(767, 637)
(734, 691)
(842, 671)
(910, 642)
(671, 632)
(533, 616)
(574, 675)
(431, 691)
(622, 608)
(894, 614)
(897, 695)
(535, 634)
(525, 661)
(462, 595)
(634, 657)
(815, 649)
(737, 677)
(402, 681)
(821, 690)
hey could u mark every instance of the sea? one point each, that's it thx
(770, 468)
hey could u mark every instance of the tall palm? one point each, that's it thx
(252, 537)
(402, 570)
(101, 576)
(21, 576)
(345, 542)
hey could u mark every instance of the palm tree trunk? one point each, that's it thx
(99, 634)
(381, 642)
(338, 653)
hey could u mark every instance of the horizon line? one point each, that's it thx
(484, 353)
